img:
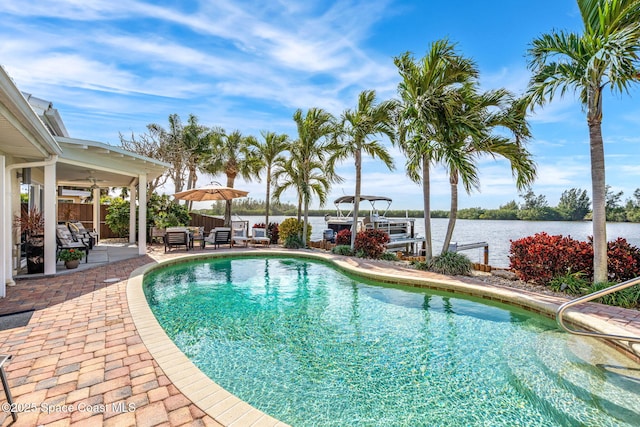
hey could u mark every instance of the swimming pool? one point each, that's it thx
(313, 346)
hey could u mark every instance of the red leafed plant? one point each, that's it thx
(541, 257)
(623, 260)
(343, 237)
(371, 243)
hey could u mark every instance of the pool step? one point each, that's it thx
(577, 381)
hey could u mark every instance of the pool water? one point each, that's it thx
(312, 346)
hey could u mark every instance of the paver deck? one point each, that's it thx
(82, 361)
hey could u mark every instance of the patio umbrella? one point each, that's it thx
(210, 192)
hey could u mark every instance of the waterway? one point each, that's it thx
(498, 234)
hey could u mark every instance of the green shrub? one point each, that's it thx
(293, 242)
(420, 265)
(389, 256)
(571, 283)
(291, 226)
(162, 212)
(449, 263)
(117, 217)
(626, 298)
(342, 250)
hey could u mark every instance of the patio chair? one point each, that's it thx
(157, 233)
(78, 230)
(5, 384)
(239, 235)
(260, 237)
(218, 236)
(64, 240)
(175, 238)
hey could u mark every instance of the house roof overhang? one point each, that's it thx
(22, 134)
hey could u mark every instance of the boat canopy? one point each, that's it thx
(351, 199)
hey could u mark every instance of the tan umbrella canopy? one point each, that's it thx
(210, 192)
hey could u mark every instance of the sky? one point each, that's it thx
(113, 67)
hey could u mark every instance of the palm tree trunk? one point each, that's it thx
(426, 192)
(598, 188)
(453, 213)
(356, 200)
(227, 208)
(268, 197)
(305, 224)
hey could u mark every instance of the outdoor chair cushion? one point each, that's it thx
(260, 236)
(240, 236)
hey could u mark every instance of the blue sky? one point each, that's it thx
(112, 67)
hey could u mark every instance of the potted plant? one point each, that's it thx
(31, 226)
(71, 257)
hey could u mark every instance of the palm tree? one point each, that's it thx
(231, 155)
(286, 176)
(470, 134)
(357, 127)
(270, 155)
(425, 93)
(605, 54)
(310, 156)
(196, 142)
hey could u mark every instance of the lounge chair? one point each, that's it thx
(176, 236)
(239, 235)
(260, 237)
(80, 232)
(64, 240)
(218, 236)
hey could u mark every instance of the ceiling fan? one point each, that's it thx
(91, 178)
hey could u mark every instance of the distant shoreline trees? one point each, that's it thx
(574, 205)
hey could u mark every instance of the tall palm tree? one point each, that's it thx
(310, 155)
(357, 127)
(270, 155)
(471, 133)
(196, 142)
(231, 155)
(605, 54)
(425, 101)
(286, 176)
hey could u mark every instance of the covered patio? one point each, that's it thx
(38, 156)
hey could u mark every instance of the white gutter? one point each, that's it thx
(53, 158)
(38, 128)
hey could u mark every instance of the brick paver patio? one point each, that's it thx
(80, 360)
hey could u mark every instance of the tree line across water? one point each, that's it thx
(574, 205)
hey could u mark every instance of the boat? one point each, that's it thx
(401, 231)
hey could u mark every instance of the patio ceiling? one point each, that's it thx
(86, 163)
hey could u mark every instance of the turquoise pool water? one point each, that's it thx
(312, 346)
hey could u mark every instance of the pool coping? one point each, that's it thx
(229, 410)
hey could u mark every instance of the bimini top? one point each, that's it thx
(351, 199)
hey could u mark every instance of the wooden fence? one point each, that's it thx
(84, 214)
